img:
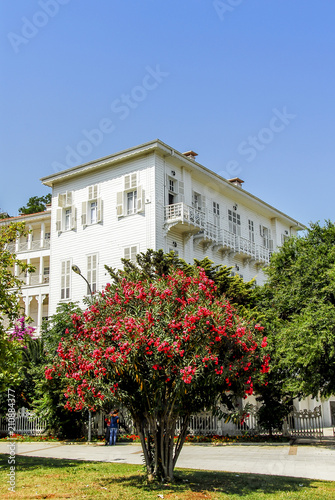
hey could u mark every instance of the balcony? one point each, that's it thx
(184, 218)
(25, 246)
(211, 234)
(246, 248)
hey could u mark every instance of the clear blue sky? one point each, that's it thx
(248, 85)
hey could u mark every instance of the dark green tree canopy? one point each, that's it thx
(35, 204)
(299, 304)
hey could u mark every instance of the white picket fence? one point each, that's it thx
(304, 423)
(26, 422)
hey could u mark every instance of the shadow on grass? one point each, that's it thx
(224, 482)
(186, 481)
(31, 463)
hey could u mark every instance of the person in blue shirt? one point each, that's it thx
(114, 423)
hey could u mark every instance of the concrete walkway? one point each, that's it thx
(305, 461)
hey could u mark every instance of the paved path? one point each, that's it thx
(313, 462)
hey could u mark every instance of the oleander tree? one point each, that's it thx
(163, 343)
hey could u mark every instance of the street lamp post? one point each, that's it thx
(76, 270)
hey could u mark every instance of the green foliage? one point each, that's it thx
(49, 399)
(35, 204)
(10, 287)
(298, 302)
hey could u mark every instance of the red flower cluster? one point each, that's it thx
(141, 336)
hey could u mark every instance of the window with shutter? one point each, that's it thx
(131, 200)
(65, 279)
(92, 264)
(130, 181)
(130, 253)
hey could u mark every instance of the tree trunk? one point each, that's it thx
(159, 450)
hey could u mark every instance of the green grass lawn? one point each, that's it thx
(53, 478)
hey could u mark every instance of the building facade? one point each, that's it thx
(153, 196)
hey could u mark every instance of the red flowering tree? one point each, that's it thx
(165, 346)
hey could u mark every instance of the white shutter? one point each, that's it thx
(130, 181)
(133, 252)
(126, 253)
(62, 281)
(94, 272)
(119, 203)
(181, 191)
(84, 213)
(73, 217)
(89, 269)
(127, 181)
(99, 210)
(92, 192)
(133, 180)
(140, 199)
(61, 200)
(261, 230)
(67, 280)
(59, 215)
(68, 198)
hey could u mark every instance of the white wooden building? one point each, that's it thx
(152, 196)
(148, 196)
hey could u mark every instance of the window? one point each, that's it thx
(47, 236)
(131, 200)
(234, 221)
(130, 253)
(92, 264)
(216, 208)
(196, 201)
(172, 190)
(65, 214)
(46, 273)
(266, 236)
(65, 279)
(284, 237)
(251, 231)
(67, 224)
(91, 211)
